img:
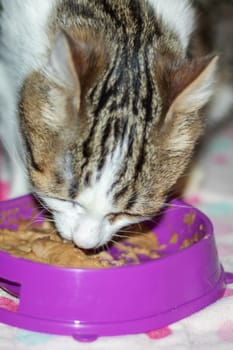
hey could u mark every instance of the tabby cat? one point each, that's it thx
(104, 105)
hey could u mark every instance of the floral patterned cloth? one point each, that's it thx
(209, 329)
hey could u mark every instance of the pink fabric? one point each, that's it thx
(4, 182)
(4, 190)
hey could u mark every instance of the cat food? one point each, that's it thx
(43, 244)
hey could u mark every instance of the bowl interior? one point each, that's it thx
(177, 227)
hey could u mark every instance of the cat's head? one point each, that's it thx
(108, 130)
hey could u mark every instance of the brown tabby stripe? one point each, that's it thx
(117, 128)
(104, 149)
(73, 190)
(74, 8)
(123, 132)
(113, 14)
(88, 178)
(105, 91)
(141, 158)
(32, 160)
(132, 200)
(147, 101)
(106, 132)
(59, 178)
(125, 98)
(121, 193)
(130, 141)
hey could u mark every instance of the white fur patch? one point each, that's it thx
(24, 35)
(85, 221)
(11, 139)
(97, 197)
(178, 15)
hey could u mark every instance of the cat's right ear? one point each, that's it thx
(74, 63)
(60, 67)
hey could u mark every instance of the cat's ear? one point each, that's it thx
(192, 85)
(60, 66)
(74, 63)
(190, 88)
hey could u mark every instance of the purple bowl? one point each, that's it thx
(89, 303)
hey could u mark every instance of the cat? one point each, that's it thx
(103, 104)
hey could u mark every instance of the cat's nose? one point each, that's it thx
(87, 234)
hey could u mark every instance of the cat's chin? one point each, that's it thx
(91, 234)
(87, 239)
(93, 243)
(87, 233)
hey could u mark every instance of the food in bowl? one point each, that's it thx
(43, 244)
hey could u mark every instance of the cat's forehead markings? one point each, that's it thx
(98, 197)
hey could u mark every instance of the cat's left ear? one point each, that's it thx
(189, 88)
(74, 63)
(192, 85)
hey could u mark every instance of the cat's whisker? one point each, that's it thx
(33, 220)
(45, 210)
(121, 236)
(106, 246)
(176, 206)
(43, 204)
(49, 219)
(116, 243)
(133, 232)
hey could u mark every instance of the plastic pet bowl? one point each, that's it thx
(89, 303)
